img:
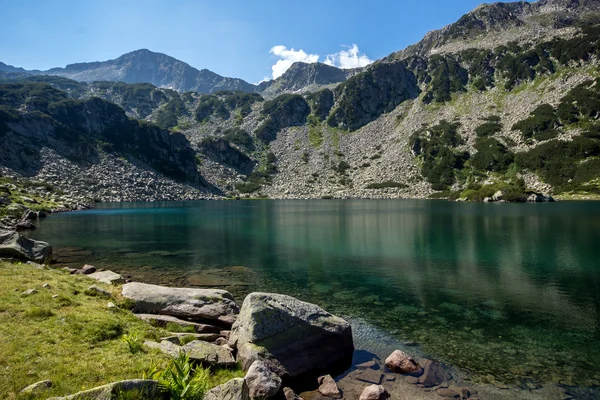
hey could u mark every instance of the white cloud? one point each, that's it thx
(350, 58)
(288, 57)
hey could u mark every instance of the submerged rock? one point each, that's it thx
(13, 245)
(401, 362)
(196, 304)
(292, 337)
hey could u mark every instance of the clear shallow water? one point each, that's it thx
(505, 292)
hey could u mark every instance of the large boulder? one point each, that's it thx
(13, 245)
(195, 304)
(292, 337)
(235, 389)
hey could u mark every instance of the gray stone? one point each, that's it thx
(96, 290)
(163, 320)
(108, 277)
(165, 346)
(262, 383)
(149, 389)
(328, 387)
(111, 305)
(46, 286)
(28, 292)
(374, 392)
(37, 387)
(433, 375)
(88, 269)
(206, 337)
(209, 353)
(368, 364)
(197, 304)
(13, 245)
(447, 393)
(277, 329)
(235, 389)
(370, 376)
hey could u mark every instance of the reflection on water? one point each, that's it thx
(506, 292)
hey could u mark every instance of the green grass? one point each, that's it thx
(386, 184)
(73, 340)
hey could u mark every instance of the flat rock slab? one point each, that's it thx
(108, 277)
(370, 376)
(148, 390)
(196, 304)
(163, 320)
(165, 346)
(209, 353)
(205, 337)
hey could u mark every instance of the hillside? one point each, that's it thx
(482, 108)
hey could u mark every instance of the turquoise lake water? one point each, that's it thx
(504, 292)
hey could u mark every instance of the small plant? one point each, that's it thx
(181, 380)
(39, 313)
(134, 342)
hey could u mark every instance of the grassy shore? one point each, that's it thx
(73, 338)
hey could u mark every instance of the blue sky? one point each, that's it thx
(236, 38)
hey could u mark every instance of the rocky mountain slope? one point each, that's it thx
(145, 66)
(475, 111)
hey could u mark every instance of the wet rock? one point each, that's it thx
(276, 329)
(197, 304)
(30, 215)
(368, 364)
(328, 387)
(108, 277)
(235, 389)
(262, 383)
(163, 320)
(37, 388)
(374, 392)
(401, 362)
(209, 353)
(13, 245)
(25, 225)
(433, 375)
(390, 378)
(370, 376)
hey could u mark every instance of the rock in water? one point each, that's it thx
(13, 245)
(262, 383)
(292, 337)
(401, 362)
(235, 389)
(196, 304)
(374, 392)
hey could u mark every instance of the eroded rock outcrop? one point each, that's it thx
(15, 246)
(194, 304)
